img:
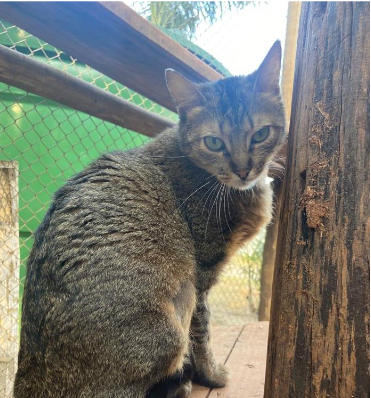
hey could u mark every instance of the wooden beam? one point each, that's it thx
(269, 253)
(289, 56)
(319, 326)
(9, 275)
(113, 39)
(287, 81)
(36, 77)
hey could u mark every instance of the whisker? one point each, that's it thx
(200, 187)
(243, 199)
(208, 196)
(225, 214)
(210, 188)
(208, 182)
(228, 200)
(211, 209)
(219, 211)
(277, 176)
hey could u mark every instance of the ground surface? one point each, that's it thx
(243, 349)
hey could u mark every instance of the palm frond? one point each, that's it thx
(185, 16)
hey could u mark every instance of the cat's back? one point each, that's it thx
(113, 232)
(121, 197)
(108, 259)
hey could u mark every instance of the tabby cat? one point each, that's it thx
(115, 300)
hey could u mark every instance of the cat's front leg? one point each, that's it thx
(207, 371)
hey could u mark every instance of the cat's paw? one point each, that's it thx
(216, 377)
(183, 391)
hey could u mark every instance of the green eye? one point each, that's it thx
(214, 143)
(261, 135)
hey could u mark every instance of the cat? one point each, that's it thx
(115, 298)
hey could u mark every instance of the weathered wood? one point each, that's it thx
(244, 353)
(36, 77)
(287, 80)
(113, 39)
(246, 364)
(269, 255)
(289, 56)
(9, 275)
(319, 329)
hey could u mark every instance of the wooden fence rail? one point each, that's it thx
(38, 78)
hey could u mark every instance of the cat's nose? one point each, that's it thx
(243, 174)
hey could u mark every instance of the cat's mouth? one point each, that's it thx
(236, 183)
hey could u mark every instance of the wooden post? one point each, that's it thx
(287, 80)
(319, 326)
(9, 276)
(289, 56)
(269, 255)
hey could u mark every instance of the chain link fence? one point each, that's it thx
(42, 144)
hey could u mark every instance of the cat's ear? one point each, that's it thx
(185, 93)
(268, 74)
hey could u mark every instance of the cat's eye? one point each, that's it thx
(261, 135)
(214, 143)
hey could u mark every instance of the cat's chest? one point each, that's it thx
(218, 232)
(218, 244)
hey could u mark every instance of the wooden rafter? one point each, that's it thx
(113, 39)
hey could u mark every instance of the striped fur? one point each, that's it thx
(115, 300)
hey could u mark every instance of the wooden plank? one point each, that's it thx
(223, 339)
(36, 77)
(246, 364)
(113, 39)
(245, 361)
(9, 275)
(319, 329)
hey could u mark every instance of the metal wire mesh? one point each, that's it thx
(42, 144)
(235, 299)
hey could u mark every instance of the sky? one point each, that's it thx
(241, 39)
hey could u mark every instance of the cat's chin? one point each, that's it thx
(244, 185)
(241, 185)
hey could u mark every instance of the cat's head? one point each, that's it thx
(232, 128)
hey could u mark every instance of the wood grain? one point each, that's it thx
(243, 349)
(269, 254)
(9, 274)
(112, 39)
(36, 77)
(246, 364)
(319, 325)
(223, 340)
